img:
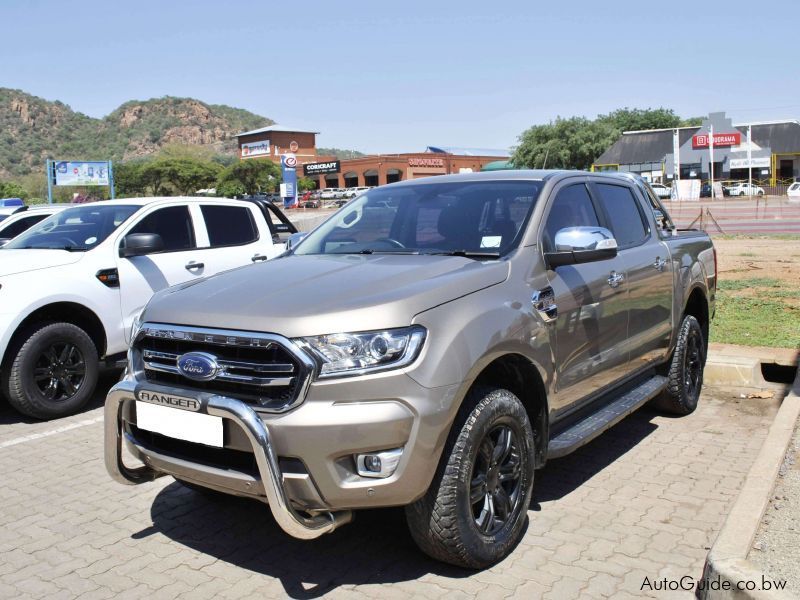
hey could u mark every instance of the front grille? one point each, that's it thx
(261, 369)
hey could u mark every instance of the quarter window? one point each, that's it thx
(572, 207)
(173, 224)
(623, 213)
(229, 225)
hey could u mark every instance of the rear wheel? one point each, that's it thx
(685, 375)
(54, 371)
(473, 514)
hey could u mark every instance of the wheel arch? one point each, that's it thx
(697, 306)
(65, 312)
(520, 376)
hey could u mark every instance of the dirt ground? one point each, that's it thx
(743, 257)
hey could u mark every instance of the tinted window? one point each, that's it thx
(229, 225)
(623, 212)
(14, 229)
(572, 207)
(173, 224)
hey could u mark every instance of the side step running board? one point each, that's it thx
(588, 428)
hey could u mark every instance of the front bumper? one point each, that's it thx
(338, 419)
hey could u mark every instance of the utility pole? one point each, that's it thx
(711, 155)
(750, 160)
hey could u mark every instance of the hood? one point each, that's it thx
(24, 261)
(312, 295)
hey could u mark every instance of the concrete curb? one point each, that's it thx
(727, 559)
(741, 365)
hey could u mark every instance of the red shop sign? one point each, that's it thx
(720, 139)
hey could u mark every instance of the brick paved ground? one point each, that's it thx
(645, 499)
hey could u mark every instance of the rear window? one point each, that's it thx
(623, 213)
(229, 225)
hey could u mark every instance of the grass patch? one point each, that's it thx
(735, 285)
(763, 319)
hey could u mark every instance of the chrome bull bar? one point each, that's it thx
(292, 522)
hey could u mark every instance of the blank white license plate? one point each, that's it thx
(179, 424)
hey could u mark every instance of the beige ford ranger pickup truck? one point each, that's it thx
(431, 345)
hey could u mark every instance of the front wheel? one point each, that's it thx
(54, 371)
(473, 514)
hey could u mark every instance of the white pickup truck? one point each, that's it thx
(71, 286)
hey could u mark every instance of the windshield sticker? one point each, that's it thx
(491, 241)
(90, 241)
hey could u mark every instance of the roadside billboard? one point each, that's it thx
(81, 173)
(253, 149)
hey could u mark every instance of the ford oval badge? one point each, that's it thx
(198, 366)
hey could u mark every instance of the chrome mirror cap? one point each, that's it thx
(576, 245)
(576, 239)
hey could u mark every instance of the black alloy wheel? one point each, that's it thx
(60, 371)
(496, 482)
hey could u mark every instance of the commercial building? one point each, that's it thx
(773, 160)
(379, 169)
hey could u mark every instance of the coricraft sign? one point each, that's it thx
(720, 139)
(320, 168)
(426, 162)
(255, 149)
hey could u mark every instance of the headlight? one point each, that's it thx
(342, 354)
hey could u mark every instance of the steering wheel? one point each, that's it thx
(390, 241)
(69, 241)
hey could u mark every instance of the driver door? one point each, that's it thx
(592, 318)
(142, 276)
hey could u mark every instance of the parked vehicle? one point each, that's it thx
(794, 190)
(6, 212)
(328, 194)
(473, 327)
(24, 218)
(71, 285)
(661, 190)
(309, 204)
(11, 202)
(745, 189)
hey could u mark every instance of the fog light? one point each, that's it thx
(378, 464)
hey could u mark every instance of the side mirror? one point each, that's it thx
(295, 239)
(576, 245)
(139, 244)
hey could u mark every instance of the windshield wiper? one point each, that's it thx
(465, 253)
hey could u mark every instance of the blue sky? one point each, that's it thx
(384, 77)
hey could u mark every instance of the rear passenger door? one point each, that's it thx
(591, 322)
(648, 271)
(236, 236)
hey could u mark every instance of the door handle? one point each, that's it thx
(615, 279)
(258, 257)
(544, 301)
(659, 264)
(192, 265)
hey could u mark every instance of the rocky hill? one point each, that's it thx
(33, 129)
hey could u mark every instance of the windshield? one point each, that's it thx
(79, 228)
(472, 218)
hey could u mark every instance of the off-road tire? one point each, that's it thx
(679, 397)
(21, 389)
(442, 522)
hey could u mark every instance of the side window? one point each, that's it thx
(173, 224)
(622, 209)
(229, 225)
(21, 225)
(572, 207)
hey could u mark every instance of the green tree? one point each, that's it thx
(129, 180)
(183, 176)
(305, 183)
(576, 142)
(253, 175)
(10, 189)
(571, 143)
